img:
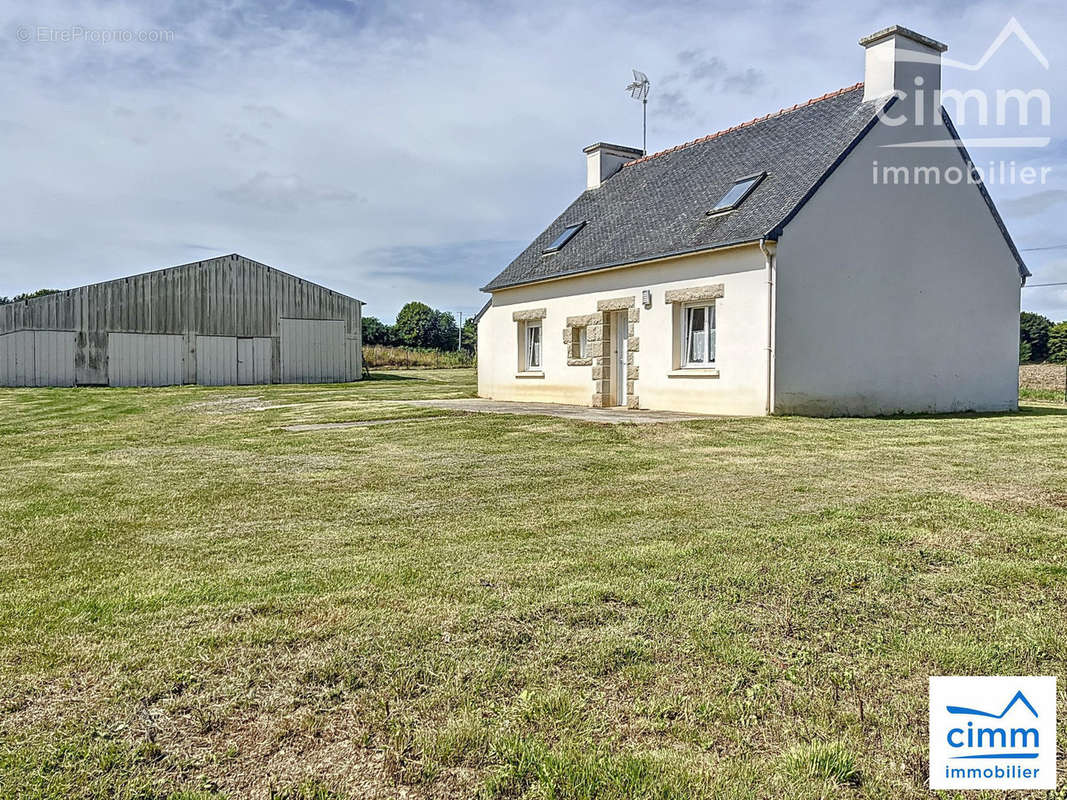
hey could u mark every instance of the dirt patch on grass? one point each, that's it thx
(1011, 495)
(227, 405)
(188, 739)
(365, 423)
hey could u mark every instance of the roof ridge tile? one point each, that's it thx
(754, 121)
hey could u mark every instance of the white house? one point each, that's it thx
(799, 263)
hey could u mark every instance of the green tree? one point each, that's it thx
(1034, 330)
(1057, 343)
(470, 336)
(418, 325)
(413, 324)
(1025, 355)
(443, 333)
(376, 332)
(28, 296)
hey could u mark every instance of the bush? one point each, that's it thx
(1057, 343)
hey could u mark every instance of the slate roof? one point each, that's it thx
(657, 205)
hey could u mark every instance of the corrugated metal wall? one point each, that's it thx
(231, 297)
(146, 359)
(37, 358)
(54, 357)
(313, 351)
(254, 360)
(216, 360)
(16, 359)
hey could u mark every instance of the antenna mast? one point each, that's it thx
(639, 91)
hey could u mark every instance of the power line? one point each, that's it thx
(1039, 285)
(1049, 247)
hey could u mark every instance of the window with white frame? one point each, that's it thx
(579, 342)
(533, 346)
(698, 335)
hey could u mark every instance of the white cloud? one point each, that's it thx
(320, 136)
(287, 193)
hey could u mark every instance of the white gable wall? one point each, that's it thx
(895, 298)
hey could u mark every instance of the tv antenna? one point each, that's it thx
(639, 91)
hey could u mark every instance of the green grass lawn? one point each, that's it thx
(196, 603)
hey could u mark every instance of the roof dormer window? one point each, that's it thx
(561, 240)
(737, 193)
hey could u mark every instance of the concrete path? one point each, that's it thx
(584, 413)
(363, 423)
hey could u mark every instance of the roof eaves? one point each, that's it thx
(481, 312)
(489, 287)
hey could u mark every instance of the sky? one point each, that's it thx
(400, 151)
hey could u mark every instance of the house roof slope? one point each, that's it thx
(656, 206)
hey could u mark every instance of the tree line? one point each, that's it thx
(1042, 340)
(417, 325)
(26, 296)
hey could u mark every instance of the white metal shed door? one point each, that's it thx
(253, 359)
(7, 360)
(262, 358)
(246, 370)
(37, 358)
(145, 359)
(16, 359)
(216, 360)
(313, 350)
(53, 358)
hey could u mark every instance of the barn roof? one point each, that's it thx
(200, 263)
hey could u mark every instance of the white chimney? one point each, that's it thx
(901, 60)
(602, 160)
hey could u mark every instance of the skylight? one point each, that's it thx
(737, 193)
(563, 238)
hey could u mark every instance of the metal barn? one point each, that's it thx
(227, 320)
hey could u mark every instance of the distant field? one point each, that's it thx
(195, 603)
(1042, 382)
(381, 356)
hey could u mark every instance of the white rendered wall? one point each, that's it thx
(895, 298)
(741, 332)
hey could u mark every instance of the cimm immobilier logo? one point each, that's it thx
(996, 732)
